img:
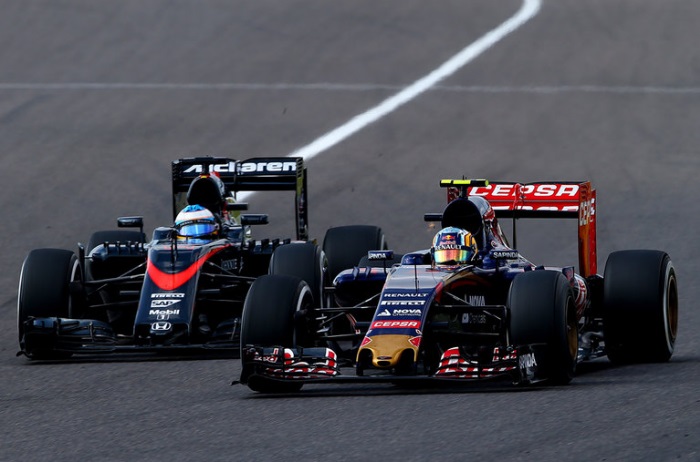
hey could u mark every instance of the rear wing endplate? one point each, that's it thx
(542, 199)
(255, 174)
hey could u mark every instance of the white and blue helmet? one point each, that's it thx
(196, 222)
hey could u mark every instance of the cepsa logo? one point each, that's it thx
(533, 190)
(395, 325)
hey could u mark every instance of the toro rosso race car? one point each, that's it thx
(469, 308)
(182, 290)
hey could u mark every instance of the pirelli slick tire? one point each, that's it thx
(640, 306)
(268, 320)
(44, 291)
(542, 311)
(113, 236)
(306, 261)
(346, 245)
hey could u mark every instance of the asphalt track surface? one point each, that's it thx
(96, 98)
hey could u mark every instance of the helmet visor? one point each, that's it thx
(453, 255)
(197, 229)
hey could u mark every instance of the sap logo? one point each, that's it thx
(268, 167)
(527, 361)
(168, 295)
(476, 300)
(163, 312)
(229, 167)
(161, 303)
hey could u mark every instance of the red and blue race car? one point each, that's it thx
(469, 308)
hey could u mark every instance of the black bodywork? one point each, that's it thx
(127, 295)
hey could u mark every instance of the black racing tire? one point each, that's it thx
(344, 246)
(306, 261)
(542, 310)
(100, 237)
(640, 306)
(44, 290)
(268, 319)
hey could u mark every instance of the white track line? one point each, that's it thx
(351, 87)
(528, 10)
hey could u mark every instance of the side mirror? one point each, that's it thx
(254, 219)
(130, 222)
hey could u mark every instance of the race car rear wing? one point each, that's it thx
(541, 199)
(256, 174)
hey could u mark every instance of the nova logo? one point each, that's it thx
(406, 312)
(268, 167)
(162, 303)
(384, 313)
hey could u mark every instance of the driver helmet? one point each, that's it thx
(196, 224)
(453, 246)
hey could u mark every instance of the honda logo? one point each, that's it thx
(161, 326)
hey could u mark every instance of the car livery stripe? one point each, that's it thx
(171, 281)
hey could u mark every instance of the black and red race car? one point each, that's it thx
(497, 316)
(123, 293)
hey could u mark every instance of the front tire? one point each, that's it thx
(640, 306)
(268, 320)
(542, 310)
(44, 291)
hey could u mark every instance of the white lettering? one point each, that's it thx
(160, 303)
(568, 190)
(163, 312)
(268, 167)
(221, 168)
(527, 361)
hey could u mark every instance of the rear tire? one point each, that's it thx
(268, 320)
(346, 245)
(44, 291)
(640, 306)
(542, 310)
(305, 261)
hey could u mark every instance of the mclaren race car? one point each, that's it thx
(469, 308)
(182, 290)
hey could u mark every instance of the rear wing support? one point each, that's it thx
(540, 200)
(256, 174)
